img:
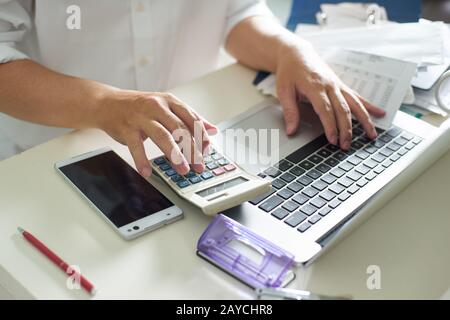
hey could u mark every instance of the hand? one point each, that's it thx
(130, 117)
(303, 75)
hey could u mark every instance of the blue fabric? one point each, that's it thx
(304, 11)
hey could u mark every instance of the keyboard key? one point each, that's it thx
(285, 194)
(262, 175)
(280, 213)
(314, 174)
(297, 171)
(409, 146)
(340, 155)
(370, 163)
(271, 203)
(290, 206)
(394, 146)
(354, 160)
(402, 151)
(338, 172)
(206, 175)
(183, 183)
(401, 141)
(323, 168)
(212, 165)
(346, 166)
(334, 204)
(308, 209)
(170, 172)
(378, 158)
(357, 145)
(310, 192)
(346, 182)
(327, 195)
(407, 136)
(295, 187)
(370, 176)
(315, 159)
(362, 169)
(332, 147)
(306, 165)
(393, 132)
(195, 180)
(303, 227)
(288, 177)
(272, 172)
(314, 219)
(165, 167)
(362, 154)
(344, 196)
(357, 132)
(176, 177)
(328, 178)
(377, 144)
(361, 182)
(370, 149)
(218, 171)
(379, 169)
(223, 162)
(385, 138)
(355, 176)
(278, 183)
(353, 189)
(308, 149)
(336, 188)
(229, 167)
(284, 165)
(387, 163)
(159, 161)
(261, 197)
(364, 140)
(325, 211)
(295, 219)
(324, 153)
(300, 199)
(331, 162)
(320, 185)
(318, 202)
(386, 152)
(305, 180)
(416, 140)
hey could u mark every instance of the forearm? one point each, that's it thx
(258, 42)
(31, 92)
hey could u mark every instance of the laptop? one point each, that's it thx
(319, 192)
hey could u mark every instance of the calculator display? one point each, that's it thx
(221, 186)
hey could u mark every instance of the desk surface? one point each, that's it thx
(408, 238)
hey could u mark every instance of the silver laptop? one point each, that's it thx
(319, 193)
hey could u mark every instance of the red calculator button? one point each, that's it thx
(229, 167)
(218, 171)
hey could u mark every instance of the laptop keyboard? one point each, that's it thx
(314, 180)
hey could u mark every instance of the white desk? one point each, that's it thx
(408, 238)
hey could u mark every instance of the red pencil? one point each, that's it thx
(89, 287)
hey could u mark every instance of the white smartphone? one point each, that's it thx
(128, 202)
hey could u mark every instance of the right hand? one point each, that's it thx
(130, 117)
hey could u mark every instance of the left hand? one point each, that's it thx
(303, 75)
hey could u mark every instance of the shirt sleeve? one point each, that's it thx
(15, 22)
(239, 10)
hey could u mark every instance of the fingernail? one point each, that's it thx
(346, 145)
(146, 172)
(334, 140)
(374, 133)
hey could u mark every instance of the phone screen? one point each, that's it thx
(115, 188)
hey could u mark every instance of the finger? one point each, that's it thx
(137, 150)
(288, 99)
(193, 122)
(164, 140)
(183, 137)
(322, 106)
(361, 114)
(343, 117)
(373, 110)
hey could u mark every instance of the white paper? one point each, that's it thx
(421, 43)
(382, 81)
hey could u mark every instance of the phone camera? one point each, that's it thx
(136, 228)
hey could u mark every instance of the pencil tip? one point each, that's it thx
(20, 230)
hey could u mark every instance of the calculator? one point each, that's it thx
(222, 185)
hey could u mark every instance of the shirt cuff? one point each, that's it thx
(8, 53)
(257, 9)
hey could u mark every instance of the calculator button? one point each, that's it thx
(223, 162)
(229, 167)
(165, 167)
(195, 179)
(218, 171)
(207, 175)
(159, 161)
(170, 172)
(217, 156)
(212, 165)
(273, 172)
(190, 174)
(176, 178)
(183, 183)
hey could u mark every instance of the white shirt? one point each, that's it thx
(149, 45)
